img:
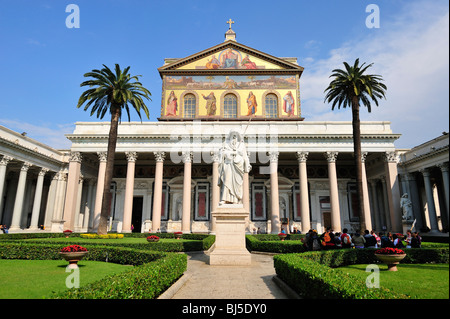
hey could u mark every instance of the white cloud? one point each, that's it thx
(53, 137)
(411, 53)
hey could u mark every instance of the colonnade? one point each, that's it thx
(392, 197)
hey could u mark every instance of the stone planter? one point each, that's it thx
(178, 235)
(391, 260)
(282, 236)
(73, 258)
(67, 233)
(152, 240)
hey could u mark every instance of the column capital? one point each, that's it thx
(26, 166)
(425, 172)
(75, 157)
(302, 156)
(5, 160)
(102, 156)
(215, 155)
(43, 171)
(443, 167)
(331, 156)
(187, 157)
(363, 156)
(273, 156)
(160, 156)
(131, 156)
(391, 157)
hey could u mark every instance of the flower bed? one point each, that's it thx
(389, 251)
(106, 236)
(73, 248)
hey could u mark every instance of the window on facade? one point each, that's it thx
(258, 201)
(352, 197)
(202, 201)
(189, 106)
(271, 105)
(230, 106)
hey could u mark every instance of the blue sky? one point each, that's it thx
(42, 61)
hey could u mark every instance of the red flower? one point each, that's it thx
(389, 251)
(153, 237)
(73, 248)
(67, 231)
(281, 234)
(178, 233)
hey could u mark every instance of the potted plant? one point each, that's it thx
(390, 256)
(282, 236)
(152, 239)
(178, 234)
(73, 254)
(67, 233)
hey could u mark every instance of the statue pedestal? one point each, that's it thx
(229, 249)
(406, 225)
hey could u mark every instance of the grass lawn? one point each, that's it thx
(37, 279)
(420, 281)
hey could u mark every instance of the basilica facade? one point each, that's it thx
(166, 172)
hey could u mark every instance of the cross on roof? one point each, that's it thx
(230, 22)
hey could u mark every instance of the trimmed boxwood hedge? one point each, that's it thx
(273, 244)
(153, 273)
(312, 274)
(192, 242)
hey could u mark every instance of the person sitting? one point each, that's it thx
(358, 240)
(415, 240)
(385, 241)
(397, 241)
(327, 239)
(346, 240)
(371, 241)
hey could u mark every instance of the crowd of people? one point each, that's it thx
(370, 239)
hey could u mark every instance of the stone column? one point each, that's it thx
(430, 200)
(366, 203)
(129, 190)
(186, 218)
(215, 188)
(334, 193)
(18, 203)
(385, 203)
(445, 180)
(50, 207)
(157, 196)
(393, 191)
(100, 185)
(274, 198)
(304, 196)
(73, 180)
(78, 203)
(88, 208)
(37, 200)
(3, 163)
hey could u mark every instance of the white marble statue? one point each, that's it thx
(406, 205)
(234, 162)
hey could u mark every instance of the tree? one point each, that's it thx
(350, 88)
(112, 92)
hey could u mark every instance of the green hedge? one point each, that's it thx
(192, 242)
(153, 274)
(313, 274)
(271, 243)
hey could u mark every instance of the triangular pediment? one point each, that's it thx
(230, 56)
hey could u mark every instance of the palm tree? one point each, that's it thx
(112, 92)
(350, 87)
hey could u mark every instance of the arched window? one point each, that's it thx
(189, 106)
(271, 105)
(230, 106)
